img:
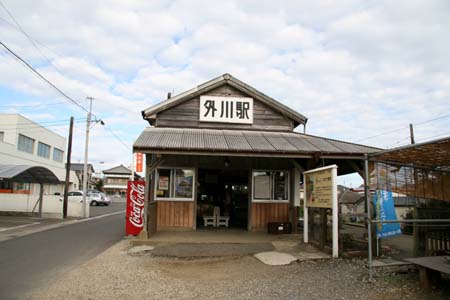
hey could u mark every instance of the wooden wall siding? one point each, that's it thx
(175, 214)
(187, 115)
(263, 213)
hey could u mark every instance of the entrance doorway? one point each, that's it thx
(226, 189)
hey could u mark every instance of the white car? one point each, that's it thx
(94, 197)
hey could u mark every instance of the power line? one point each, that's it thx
(45, 122)
(43, 78)
(118, 138)
(428, 121)
(405, 127)
(423, 139)
(31, 106)
(29, 125)
(32, 41)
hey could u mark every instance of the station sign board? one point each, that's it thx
(226, 109)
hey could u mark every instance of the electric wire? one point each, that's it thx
(31, 123)
(404, 127)
(42, 77)
(118, 138)
(32, 105)
(32, 41)
(398, 144)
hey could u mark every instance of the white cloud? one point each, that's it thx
(354, 69)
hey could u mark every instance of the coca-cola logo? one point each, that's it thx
(137, 199)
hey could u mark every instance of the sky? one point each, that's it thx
(361, 71)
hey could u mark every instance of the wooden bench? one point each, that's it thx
(430, 268)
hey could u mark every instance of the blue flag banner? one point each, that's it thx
(384, 210)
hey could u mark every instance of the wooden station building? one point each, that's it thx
(225, 144)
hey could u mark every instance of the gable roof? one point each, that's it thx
(80, 167)
(118, 170)
(150, 112)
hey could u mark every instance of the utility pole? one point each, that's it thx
(85, 172)
(69, 154)
(411, 133)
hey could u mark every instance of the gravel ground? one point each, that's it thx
(118, 275)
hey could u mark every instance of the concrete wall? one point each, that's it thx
(52, 206)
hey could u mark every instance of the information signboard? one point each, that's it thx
(319, 189)
(321, 192)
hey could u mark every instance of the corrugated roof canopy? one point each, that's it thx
(236, 142)
(433, 154)
(29, 174)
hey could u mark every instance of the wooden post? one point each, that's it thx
(41, 198)
(66, 185)
(411, 133)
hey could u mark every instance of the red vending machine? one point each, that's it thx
(135, 207)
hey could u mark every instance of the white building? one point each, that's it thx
(24, 142)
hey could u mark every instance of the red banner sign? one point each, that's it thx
(139, 159)
(135, 207)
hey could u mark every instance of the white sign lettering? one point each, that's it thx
(226, 109)
(137, 195)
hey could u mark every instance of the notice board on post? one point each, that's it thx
(320, 190)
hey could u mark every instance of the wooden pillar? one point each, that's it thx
(41, 198)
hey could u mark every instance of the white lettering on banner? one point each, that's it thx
(137, 197)
(226, 109)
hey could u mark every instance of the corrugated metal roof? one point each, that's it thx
(210, 140)
(29, 174)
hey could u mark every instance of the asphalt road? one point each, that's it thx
(35, 260)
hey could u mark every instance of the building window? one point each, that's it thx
(25, 144)
(2, 136)
(58, 154)
(174, 184)
(43, 150)
(270, 186)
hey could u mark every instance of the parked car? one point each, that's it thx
(94, 197)
(97, 198)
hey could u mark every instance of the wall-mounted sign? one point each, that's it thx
(139, 160)
(226, 109)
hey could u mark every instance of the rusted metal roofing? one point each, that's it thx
(239, 141)
(432, 154)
